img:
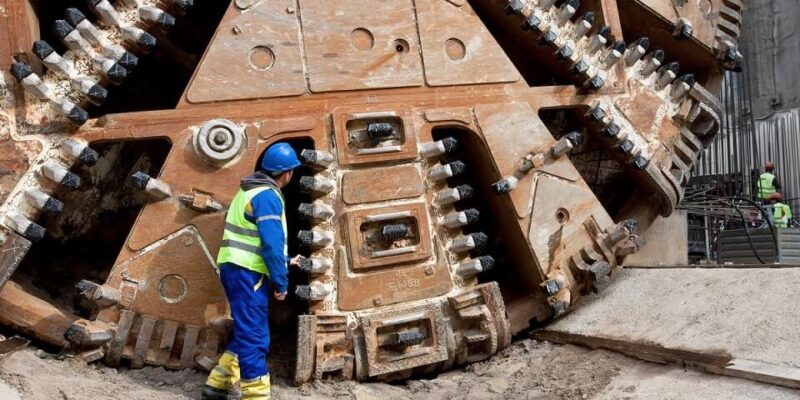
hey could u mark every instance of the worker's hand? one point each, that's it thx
(279, 296)
(295, 261)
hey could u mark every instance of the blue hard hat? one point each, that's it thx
(280, 157)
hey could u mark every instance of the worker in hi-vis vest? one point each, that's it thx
(253, 253)
(768, 183)
(781, 212)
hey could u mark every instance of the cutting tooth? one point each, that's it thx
(505, 185)
(43, 201)
(433, 149)
(91, 89)
(473, 241)
(611, 130)
(315, 238)
(600, 39)
(75, 113)
(84, 333)
(101, 295)
(566, 51)
(596, 81)
(123, 57)
(315, 211)
(640, 162)
(566, 11)
(87, 29)
(668, 73)
(315, 265)
(30, 81)
(317, 184)
(596, 113)
(314, 292)
(452, 195)
(107, 12)
(442, 172)
(534, 22)
(155, 187)
(583, 26)
(653, 62)
(457, 219)
(566, 144)
(80, 151)
(25, 227)
(52, 60)
(581, 67)
(139, 37)
(60, 175)
(636, 51)
(550, 36)
(683, 29)
(515, 7)
(318, 158)
(111, 69)
(614, 54)
(157, 16)
(626, 147)
(71, 37)
(682, 86)
(475, 266)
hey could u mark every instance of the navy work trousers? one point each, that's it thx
(248, 295)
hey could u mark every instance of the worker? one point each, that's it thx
(768, 183)
(253, 253)
(781, 212)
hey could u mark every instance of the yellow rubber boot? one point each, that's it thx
(225, 375)
(256, 389)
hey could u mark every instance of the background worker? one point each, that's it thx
(768, 183)
(781, 212)
(253, 253)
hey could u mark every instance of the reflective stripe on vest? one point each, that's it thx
(241, 244)
(766, 185)
(782, 214)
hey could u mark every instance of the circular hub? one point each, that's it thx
(219, 141)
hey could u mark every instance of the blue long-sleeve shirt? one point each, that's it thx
(265, 211)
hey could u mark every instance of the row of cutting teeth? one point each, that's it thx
(95, 56)
(590, 56)
(318, 212)
(20, 218)
(467, 246)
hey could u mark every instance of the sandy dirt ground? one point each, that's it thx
(526, 370)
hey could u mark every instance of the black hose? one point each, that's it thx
(769, 223)
(747, 232)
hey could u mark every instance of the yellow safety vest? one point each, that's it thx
(782, 214)
(766, 185)
(241, 244)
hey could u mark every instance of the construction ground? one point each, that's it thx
(708, 325)
(497, 199)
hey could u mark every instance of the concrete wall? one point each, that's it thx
(667, 243)
(771, 45)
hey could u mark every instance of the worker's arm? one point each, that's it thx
(267, 211)
(777, 184)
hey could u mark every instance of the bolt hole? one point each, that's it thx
(562, 215)
(262, 58)
(362, 39)
(455, 49)
(401, 46)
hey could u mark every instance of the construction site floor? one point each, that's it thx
(706, 333)
(528, 369)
